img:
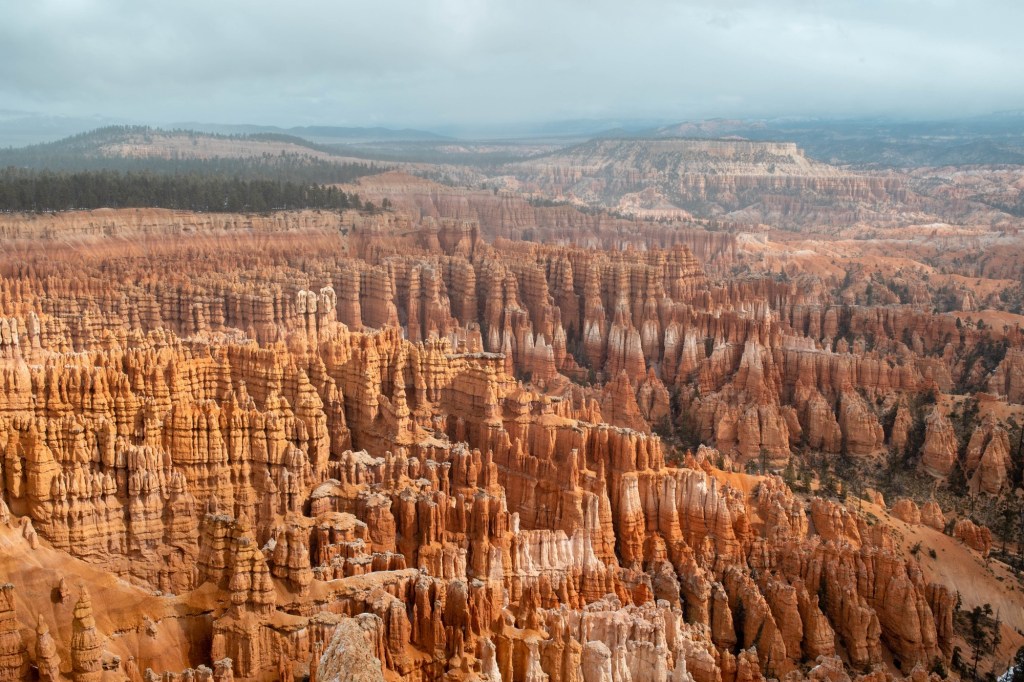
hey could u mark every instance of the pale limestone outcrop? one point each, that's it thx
(349, 656)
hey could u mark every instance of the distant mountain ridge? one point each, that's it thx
(262, 156)
(21, 129)
(733, 180)
(991, 139)
(323, 134)
(134, 140)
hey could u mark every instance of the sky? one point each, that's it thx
(427, 63)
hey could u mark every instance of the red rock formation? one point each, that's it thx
(1008, 378)
(619, 405)
(437, 455)
(862, 434)
(939, 452)
(978, 538)
(905, 510)
(988, 458)
(47, 660)
(931, 515)
(86, 643)
(13, 653)
(903, 421)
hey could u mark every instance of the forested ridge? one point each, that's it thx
(84, 152)
(284, 167)
(24, 190)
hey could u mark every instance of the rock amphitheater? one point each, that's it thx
(421, 445)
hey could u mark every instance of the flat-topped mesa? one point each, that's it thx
(770, 180)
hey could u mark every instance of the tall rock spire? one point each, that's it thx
(86, 642)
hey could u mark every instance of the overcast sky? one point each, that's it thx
(424, 62)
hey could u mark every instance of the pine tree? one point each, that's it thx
(1017, 674)
(982, 634)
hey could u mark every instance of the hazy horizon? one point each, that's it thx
(472, 63)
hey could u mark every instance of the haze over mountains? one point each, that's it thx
(722, 169)
(19, 129)
(993, 138)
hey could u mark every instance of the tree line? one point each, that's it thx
(43, 191)
(284, 167)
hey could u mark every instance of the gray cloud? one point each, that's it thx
(408, 62)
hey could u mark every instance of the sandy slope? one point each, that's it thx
(119, 607)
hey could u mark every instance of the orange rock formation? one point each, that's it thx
(409, 452)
